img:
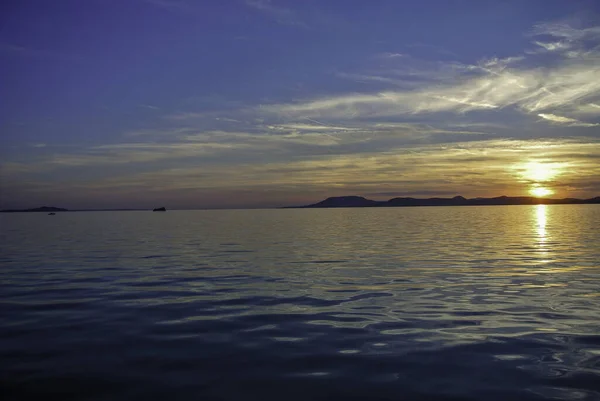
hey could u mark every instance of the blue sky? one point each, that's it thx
(257, 103)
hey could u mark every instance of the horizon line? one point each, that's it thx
(541, 199)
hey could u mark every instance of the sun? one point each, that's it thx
(540, 192)
(540, 176)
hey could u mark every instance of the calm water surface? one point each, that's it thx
(452, 303)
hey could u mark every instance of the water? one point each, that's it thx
(454, 303)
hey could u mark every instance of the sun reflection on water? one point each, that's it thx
(542, 237)
(541, 214)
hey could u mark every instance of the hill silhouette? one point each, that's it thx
(359, 201)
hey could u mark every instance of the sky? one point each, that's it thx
(258, 103)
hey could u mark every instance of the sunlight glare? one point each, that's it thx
(540, 192)
(541, 172)
(541, 220)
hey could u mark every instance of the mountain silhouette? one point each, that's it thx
(346, 201)
(359, 201)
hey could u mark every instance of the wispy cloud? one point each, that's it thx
(128, 153)
(474, 168)
(561, 38)
(171, 132)
(491, 84)
(309, 127)
(227, 119)
(264, 142)
(565, 31)
(553, 46)
(586, 109)
(366, 78)
(470, 168)
(281, 15)
(390, 55)
(149, 106)
(565, 120)
(188, 115)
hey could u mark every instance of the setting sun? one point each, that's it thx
(540, 192)
(540, 176)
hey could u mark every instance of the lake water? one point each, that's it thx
(450, 303)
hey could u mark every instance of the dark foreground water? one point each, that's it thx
(471, 303)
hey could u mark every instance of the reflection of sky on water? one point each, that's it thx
(389, 270)
(358, 283)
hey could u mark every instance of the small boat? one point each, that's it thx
(159, 209)
(51, 214)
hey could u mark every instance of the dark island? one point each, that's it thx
(47, 209)
(359, 201)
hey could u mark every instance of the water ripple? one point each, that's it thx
(408, 304)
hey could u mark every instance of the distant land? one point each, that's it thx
(58, 209)
(37, 209)
(359, 201)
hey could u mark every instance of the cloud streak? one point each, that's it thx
(281, 15)
(493, 84)
(565, 120)
(471, 168)
(477, 168)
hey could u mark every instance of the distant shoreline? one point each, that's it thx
(58, 209)
(360, 202)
